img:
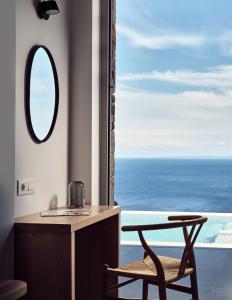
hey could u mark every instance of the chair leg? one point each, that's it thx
(194, 287)
(145, 290)
(162, 292)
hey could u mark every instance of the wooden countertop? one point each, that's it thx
(12, 289)
(35, 222)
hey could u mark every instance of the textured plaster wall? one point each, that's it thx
(20, 157)
(84, 94)
(7, 135)
(46, 162)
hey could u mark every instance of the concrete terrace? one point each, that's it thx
(214, 273)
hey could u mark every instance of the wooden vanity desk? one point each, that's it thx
(61, 258)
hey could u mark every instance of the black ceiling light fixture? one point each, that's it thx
(47, 8)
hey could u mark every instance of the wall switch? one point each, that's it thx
(25, 186)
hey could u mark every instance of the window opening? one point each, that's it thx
(173, 113)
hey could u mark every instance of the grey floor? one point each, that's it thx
(214, 273)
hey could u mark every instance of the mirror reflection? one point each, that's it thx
(42, 102)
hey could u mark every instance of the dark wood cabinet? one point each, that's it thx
(61, 258)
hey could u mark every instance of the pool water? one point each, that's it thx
(217, 230)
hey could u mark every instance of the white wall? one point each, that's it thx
(7, 134)
(46, 162)
(84, 92)
(20, 157)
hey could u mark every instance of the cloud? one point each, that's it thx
(217, 77)
(163, 40)
(166, 106)
(187, 123)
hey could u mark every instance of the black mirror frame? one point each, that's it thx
(29, 63)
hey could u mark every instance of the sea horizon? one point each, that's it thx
(174, 184)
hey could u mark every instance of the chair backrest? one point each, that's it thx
(190, 237)
(194, 222)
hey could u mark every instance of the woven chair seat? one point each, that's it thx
(146, 267)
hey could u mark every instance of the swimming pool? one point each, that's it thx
(217, 232)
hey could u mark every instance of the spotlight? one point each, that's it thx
(47, 8)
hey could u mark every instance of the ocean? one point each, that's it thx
(179, 184)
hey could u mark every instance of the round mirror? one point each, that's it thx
(42, 94)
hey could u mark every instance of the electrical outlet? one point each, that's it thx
(25, 186)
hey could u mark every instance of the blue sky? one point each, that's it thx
(174, 78)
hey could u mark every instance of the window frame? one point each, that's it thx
(105, 101)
